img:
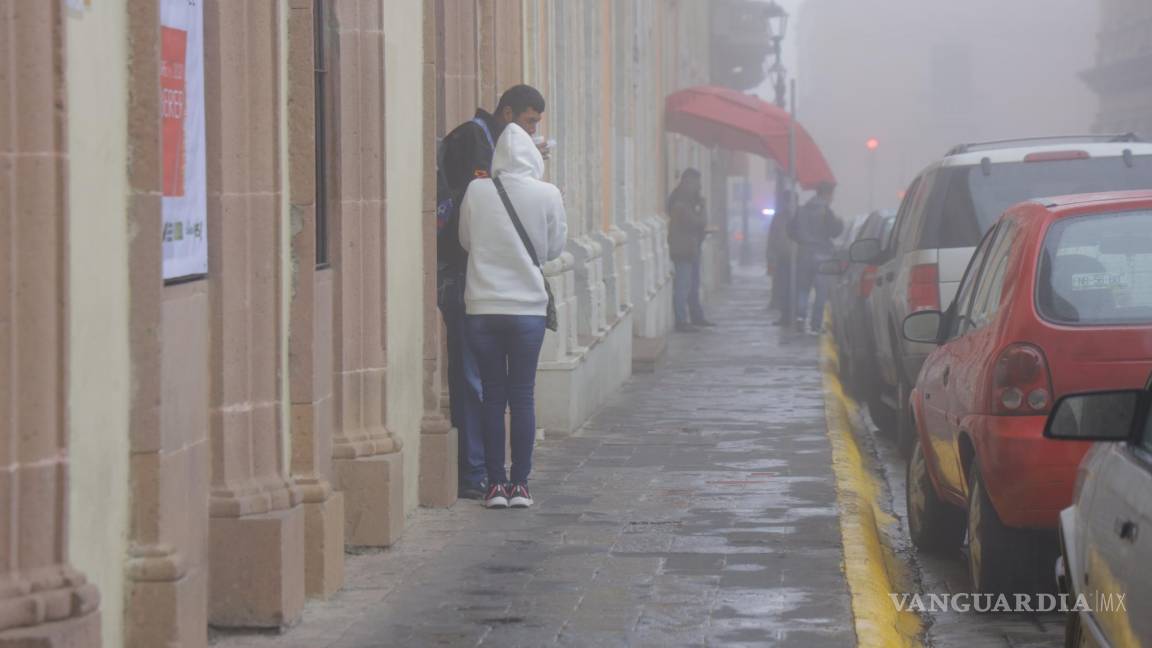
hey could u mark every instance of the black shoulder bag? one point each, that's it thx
(553, 323)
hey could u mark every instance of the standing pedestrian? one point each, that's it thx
(814, 229)
(779, 255)
(466, 154)
(687, 229)
(507, 224)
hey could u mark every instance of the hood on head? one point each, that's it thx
(516, 154)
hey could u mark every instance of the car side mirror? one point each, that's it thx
(865, 251)
(1100, 416)
(923, 327)
(831, 267)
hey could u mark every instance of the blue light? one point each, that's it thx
(768, 211)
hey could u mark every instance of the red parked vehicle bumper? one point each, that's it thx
(1030, 479)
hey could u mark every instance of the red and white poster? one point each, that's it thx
(185, 204)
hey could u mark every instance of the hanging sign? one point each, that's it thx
(185, 200)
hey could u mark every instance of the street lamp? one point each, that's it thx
(777, 19)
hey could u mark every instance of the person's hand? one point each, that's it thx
(543, 145)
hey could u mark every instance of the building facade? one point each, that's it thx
(1122, 76)
(194, 450)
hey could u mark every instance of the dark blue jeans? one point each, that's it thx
(686, 304)
(507, 348)
(463, 394)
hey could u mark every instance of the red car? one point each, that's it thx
(1057, 299)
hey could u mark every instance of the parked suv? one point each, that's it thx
(946, 211)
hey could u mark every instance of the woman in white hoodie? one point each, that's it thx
(506, 301)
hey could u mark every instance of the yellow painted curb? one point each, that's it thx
(871, 571)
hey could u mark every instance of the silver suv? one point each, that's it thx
(945, 212)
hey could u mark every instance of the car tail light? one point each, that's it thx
(1021, 382)
(867, 281)
(1056, 156)
(924, 288)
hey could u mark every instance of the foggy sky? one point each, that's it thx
(923, 75)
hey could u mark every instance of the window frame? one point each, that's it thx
(1001, 251)
(975, 271)
(321, 11)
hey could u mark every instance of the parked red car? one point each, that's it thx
(1057, 299)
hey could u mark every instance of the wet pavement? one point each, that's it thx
(946, 574)
(697, 509)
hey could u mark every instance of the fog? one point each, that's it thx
(923, 75)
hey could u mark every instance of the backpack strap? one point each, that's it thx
(484, 127)
(516, 221)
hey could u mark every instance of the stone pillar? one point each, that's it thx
(310, 362)
(438, 441)
(257, 526)
(43, 600)
(366, 465)
(166, 569)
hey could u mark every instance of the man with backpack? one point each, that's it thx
(464, 155)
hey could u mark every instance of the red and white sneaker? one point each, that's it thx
(519, 497)
(497, 496)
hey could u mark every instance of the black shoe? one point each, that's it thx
(497, 496)
(703, 322)
(472, 490)
(686, 328)
(519, 497)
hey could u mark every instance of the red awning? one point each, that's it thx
(728, 119)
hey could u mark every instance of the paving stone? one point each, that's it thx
(697, 509)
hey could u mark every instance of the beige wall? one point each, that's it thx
(99, 382)
(404, 111)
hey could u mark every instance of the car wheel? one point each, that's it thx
(934, 525)
(996, 553)
(882, 415)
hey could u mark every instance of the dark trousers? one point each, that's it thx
(686, 304)
(507, 349)
(463, 391)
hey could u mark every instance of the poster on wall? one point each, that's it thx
(185, 200)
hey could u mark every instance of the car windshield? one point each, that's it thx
(1097, 270)
(969, 201)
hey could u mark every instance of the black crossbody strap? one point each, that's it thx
(516, 221)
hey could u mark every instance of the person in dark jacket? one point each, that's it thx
(464, 155)
(814, 229)
(687, 229)
(779, 256)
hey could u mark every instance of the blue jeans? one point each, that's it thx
(809, 280)
(507, 349)
(464, 398)
(686, 291)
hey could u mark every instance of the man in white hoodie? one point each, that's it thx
(506, 301)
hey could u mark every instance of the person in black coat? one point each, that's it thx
(464, 155)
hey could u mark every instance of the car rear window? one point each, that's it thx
(1097, 270)
(966, 202)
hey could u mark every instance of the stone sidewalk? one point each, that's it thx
(697, 509)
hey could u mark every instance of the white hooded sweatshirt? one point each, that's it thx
(501, 277)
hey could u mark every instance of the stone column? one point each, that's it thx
(166, 569)
(367, 465)
(257, 527)
(310, 363)
(438, 441)
(43, 600)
